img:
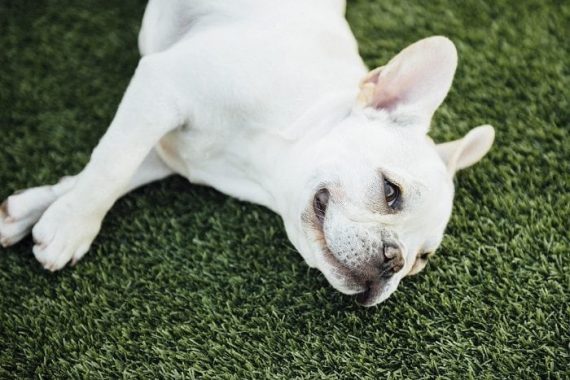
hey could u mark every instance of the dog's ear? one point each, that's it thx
(464, 152)
(418, 78)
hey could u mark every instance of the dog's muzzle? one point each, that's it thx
(369, 278)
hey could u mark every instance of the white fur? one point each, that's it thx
(268, 101)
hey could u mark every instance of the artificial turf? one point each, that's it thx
(186, 282)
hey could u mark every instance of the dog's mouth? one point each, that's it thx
(368, 287)
(364, 283)
(367, 297)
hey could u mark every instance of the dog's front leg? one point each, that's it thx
(20, 211)
(149, 109)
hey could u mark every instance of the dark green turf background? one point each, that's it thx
(186, 282)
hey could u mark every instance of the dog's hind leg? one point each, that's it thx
(150, 109)
(21, 210)
(166, 22)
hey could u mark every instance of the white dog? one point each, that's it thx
(269, 101)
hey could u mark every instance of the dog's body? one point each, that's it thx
(240, 147)
(270, 102)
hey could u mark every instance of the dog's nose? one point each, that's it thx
(393, 260)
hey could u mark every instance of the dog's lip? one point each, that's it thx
(369, 296)
(354, 283)
(367, 288)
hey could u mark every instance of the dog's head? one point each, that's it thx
(379, 191)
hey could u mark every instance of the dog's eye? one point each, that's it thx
(320, 203)
(392, 193)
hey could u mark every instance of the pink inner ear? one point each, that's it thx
(420, 76)
(372, 76)
(388, 95)
(402, 86)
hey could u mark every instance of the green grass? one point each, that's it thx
(185, 282)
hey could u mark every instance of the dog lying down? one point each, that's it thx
(269, 101)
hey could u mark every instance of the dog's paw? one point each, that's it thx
(20, 211)
(63, 234)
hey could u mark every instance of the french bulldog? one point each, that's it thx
(270, 102)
